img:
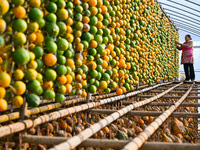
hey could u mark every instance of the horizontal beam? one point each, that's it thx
(148, 96)
(177, 92)
(147, 113)
(105, 143)
(161, 88)
(170, 103)
(167, 104)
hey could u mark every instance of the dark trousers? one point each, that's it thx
(189, 71)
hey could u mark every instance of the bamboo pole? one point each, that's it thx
(85, 134)
(147, 113)
(95, 97)
(112, 94)
(105, 143)
(67, 111)
(15, 115)
(139, 140)
(20, 126)
(167, 104)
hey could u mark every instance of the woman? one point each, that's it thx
(187, 58)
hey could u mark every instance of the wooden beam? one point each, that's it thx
(148, 96)
(105, 143)
(178, 92)
(147, 113)
(170, 103)
(167, 104)
(161, 88)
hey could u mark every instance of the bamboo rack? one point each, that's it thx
(138, 141)
(20, 126)
(85, 134)
(15, 115)
(105, 143)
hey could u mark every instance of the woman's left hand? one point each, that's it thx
(177, 43)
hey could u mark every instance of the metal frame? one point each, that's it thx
(192, 2)
(183, 18)
(190, 31)
(180, 25)
(179, 9)
(183, 21)
(180, 13)
(197, 32)
(184, 6)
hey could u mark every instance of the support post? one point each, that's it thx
(89, 97)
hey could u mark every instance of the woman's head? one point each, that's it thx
(188, 37)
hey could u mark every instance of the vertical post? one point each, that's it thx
(88, 98)
(137, 86)
(23, 110)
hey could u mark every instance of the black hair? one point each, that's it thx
(189, 36)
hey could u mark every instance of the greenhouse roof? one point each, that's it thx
(184, 14)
